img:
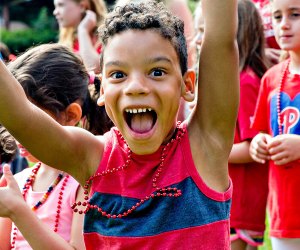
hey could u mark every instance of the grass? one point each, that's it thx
(267, 242)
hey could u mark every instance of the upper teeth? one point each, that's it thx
(140, 110)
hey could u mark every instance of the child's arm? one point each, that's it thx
(211, 127)
(87, 50)
(70, 149)
(240, 153)
(259, 148)
(5, 229)
(39, 236)
(284, 148)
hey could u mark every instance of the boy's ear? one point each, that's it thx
(73, 114)
(188, 86)
(101, 100)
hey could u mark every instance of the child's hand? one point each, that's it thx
(89, 22)
(259, 148)
(10, 196)
(284, 148)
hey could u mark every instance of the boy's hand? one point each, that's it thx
(284, 148)
(259, 148)
(10, 196)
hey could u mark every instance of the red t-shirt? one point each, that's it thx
(76, 47)
(283, 202)
(250, 180)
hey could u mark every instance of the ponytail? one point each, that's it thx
(97, 121)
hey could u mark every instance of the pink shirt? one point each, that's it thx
(47, 212)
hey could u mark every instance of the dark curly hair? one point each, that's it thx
(144, 16)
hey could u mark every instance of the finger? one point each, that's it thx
(282, 161)
(279, 156)
(276, 149)
(9, 177)
(274, 143)
(258, 157)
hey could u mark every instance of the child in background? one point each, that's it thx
(272, 50)
(153, 183)
(250, 179)
(5, 54)
(78, 21)
(8, 147)
(277, 117)
(56, 81)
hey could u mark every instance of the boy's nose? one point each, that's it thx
(137, 85)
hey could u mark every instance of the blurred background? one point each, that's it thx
(26, 23)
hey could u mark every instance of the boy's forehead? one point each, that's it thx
(150, 42)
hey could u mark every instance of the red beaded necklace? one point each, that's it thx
(159, 192)
(29, 182)
(278, 102)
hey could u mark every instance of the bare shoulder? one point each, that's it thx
(87, 153)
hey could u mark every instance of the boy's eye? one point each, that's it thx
(117, 75)
(157, 72)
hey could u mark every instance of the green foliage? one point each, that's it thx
(41, 32)
(20, 40)
(44, 21)
(192, 5)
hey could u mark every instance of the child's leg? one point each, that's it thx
(238, 244)
(285, 243)
(249, 247)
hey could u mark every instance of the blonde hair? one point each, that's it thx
(67, 35)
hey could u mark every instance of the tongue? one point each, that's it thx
(142, 123)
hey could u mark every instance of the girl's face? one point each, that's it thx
(68, 13)
(286, 24)
(24, 153)
(199, 26)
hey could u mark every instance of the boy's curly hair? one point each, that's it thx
(8, 146)
(144, 16)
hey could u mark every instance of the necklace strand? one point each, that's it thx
(29, 182)
(159, 192)
(278, 101)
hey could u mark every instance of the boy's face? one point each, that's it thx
(142, 85)
(286, 23)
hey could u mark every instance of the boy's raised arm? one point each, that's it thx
(41, 135)
(212, 125)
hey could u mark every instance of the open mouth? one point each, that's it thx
(140, 120)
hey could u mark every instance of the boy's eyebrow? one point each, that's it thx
(158, 59)
(115, 63)
(148, 61)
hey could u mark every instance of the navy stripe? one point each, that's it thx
(155, 216)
